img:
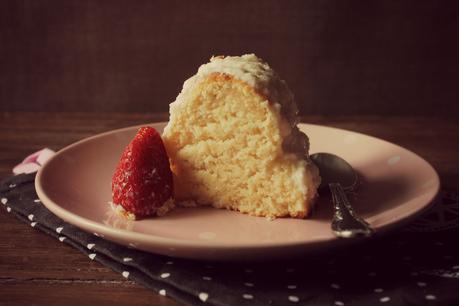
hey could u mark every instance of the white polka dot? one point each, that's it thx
(249, 284)
(207, 235)
(62, 238)
(59, 229)
(349, 139)
(98, 235)
(90, 245)
(127, 259)
(30, 217)
(291, 286)
(293, 298)
(456, 267)
(12, 185)
(335, 286)
(33, 224)
(207, 278)
(165, 275)
(203, 296)
(37, 201)
(4, 201)
(92, 256)
(125, 274)
(339, 303)
(384, 299)
(248, 270)
(162, 292)
(8, 209)
(169, 262)
(414, 273)
(431, 297)
(378, 290)
(247, 296)
(130, 244)
(421, 284)
(372, 274)
(393, 160)
(428, 183)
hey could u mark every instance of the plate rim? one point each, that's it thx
(100, 228)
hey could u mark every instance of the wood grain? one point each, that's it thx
(36, 269)
(338, 57)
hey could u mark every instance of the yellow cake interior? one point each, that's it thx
(226, 143)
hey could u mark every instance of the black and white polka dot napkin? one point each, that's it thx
(418, 265)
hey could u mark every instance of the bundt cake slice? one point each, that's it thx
(234, 143)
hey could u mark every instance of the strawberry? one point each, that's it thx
(142, 183)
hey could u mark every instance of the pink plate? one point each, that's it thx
(396, 185)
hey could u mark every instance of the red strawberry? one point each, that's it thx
(142, 183)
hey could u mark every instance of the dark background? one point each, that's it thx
(338, 57)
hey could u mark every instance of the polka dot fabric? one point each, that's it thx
(418, 265)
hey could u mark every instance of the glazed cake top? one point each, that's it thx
(255, 72)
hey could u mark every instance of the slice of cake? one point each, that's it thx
(233, 141)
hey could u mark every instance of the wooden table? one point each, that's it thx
(38, 270)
